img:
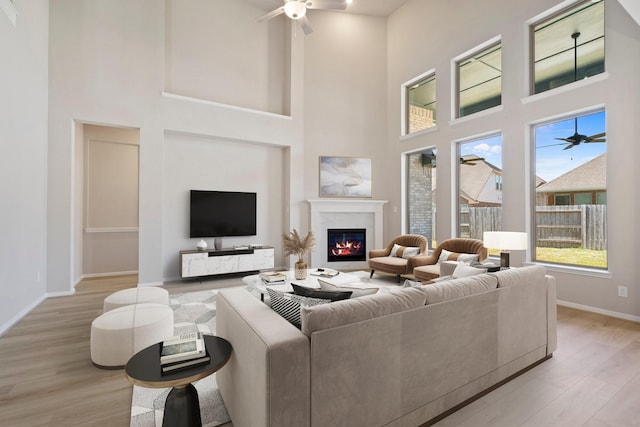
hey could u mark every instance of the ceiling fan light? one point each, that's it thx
(295, 9)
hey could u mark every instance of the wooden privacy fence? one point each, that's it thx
(575, 226)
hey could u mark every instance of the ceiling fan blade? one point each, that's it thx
(595, 140)
(327, 4)
(569, 140)
(569, 146)
(306, 25)
(596, 136)
(551, 145)
(272, 14)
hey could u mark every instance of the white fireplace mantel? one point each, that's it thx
(358, 212)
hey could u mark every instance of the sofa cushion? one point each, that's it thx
(357, 289)
(315, 293)
(288, 305)
(459, 288)
(355, 310)
(517, 276)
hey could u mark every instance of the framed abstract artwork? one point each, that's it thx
(345, 177)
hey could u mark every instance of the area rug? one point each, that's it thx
(196, 311)
(193, 311)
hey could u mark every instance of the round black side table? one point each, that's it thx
(182, 407)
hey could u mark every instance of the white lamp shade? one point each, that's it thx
(295, 9)
(505, 240)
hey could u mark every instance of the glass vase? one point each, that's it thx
(300, 270)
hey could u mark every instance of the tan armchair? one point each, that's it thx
(381, 259)
(427, 267)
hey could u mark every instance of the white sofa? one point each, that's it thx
(399, 358)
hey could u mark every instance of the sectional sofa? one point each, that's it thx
(399, 358)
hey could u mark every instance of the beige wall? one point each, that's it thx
(110, 214)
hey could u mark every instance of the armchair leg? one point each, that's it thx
(398, 278)
(371, 275)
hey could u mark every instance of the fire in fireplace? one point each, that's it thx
(346, 244)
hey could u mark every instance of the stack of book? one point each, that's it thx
(183, 351)
(273, 278)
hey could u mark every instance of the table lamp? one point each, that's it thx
(505, 241)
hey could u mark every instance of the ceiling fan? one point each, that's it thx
(576, 138)
(429, 159)
(297, 10)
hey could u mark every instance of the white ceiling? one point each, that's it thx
(361, 7)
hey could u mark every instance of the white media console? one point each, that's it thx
(196, 263)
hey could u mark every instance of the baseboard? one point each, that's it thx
(599, 311)
(15, 319)
(117, 273)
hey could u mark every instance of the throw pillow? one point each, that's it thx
(288, 305)
(409, 252)
(464, 270)
(468, 258)
(444, 255)
(403, 251)
(395, 249)
(411, 284)
(315, 293)
(357, 289)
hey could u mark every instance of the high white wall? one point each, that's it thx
(23, 161)
(428, 34)
(107, 62)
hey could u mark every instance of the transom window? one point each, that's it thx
(420, 103)
(479, 80)
(568, 46)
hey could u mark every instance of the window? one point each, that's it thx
(571, 210)
(421, 201)
(479, 80)
(420, 103)
(479, 186)
(568, 46)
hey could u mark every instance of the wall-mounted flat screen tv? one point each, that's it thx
(222, 214)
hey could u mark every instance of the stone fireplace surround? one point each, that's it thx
(345, 213)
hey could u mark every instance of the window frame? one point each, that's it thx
(455, 76)
(590, 270)
(549, 15)
(405, 107)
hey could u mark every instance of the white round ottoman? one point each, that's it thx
(135, 296)
(120, 333)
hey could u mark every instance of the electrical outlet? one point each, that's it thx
(622, 291)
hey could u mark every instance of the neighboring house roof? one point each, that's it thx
(586, 177)
(475, 177)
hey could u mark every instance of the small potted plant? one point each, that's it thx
(295, 245)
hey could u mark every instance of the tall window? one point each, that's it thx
(421, 200)
(568, 46)
(479, 186)
(479, 80)
(571, 205)
(420, 103)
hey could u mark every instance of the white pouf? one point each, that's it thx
(135, 296)
(122, 332)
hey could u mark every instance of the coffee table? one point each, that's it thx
(255, 282)
(182, 407)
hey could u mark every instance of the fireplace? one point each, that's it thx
(346, 244)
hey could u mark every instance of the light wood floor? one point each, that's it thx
(47, 379)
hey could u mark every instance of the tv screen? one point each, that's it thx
(222, 214)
